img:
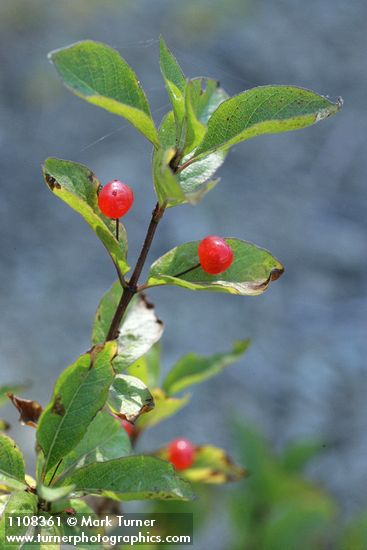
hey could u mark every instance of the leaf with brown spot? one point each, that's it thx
(76, 185)
(251, 272)
(129, 397)
(29, 410)
(58, 407)
(80, 392)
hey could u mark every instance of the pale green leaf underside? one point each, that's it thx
(251, 272)
(129, 397)
(196, 180)
(105, 439)
(139, 331)
(98, 74)
(80, 392)
(193, 369)
(164, 407)
(131, 478)
(53, 494)
(263, 110)
(11, 464)
(76, 185)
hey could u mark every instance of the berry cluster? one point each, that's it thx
(215, 255)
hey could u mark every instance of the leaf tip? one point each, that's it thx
(276, 273)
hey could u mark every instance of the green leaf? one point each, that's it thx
(11, 464)
(164, 407)
(53, 494)
(147, 368)
(80, 392)
(296, 456)
(129, 397)
(97, 73)
(250, 274)
(20, 503)
(76, 185)
(131, 478)
(193, 369)
(139, 331)
(4, 390)
(263, 110)
(105, 311)
(104, 440)
(175, 82)
(167, 186)
(203, 96)
(211, 465)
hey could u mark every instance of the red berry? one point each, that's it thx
(128, 427)
(115, 199)
(215, 255)
(181, 453)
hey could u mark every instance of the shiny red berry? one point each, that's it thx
(181, 453)
(128, 427)
(115, 199)
(215, 255)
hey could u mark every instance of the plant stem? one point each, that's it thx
(131, 289)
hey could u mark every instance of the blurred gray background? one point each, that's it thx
(302, 195)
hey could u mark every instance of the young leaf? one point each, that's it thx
(147, 368)
(175, 82)
(130, 478)
(195, 181)
(167, 186)
(80, 392)
(250, 274)
(263, 110)
(203, 96)
(164, 407)
(11, 464)
(193, 369)
(19, 504)
(211, 465)
(76, 185)
(97, 73)
(129, 398)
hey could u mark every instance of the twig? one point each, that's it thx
(131, 288)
